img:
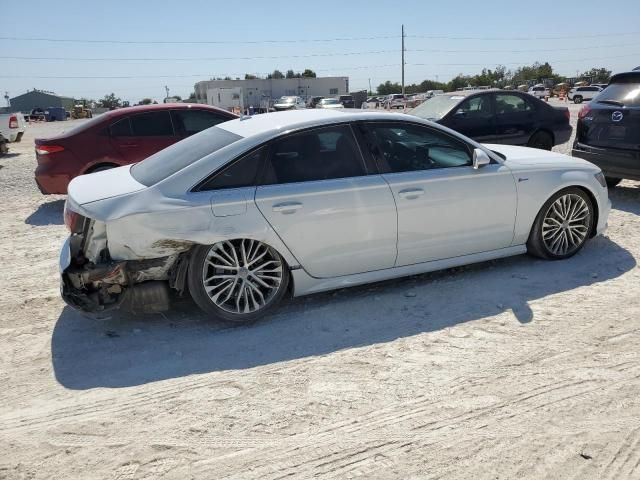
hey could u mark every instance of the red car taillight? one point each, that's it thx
(47, 149)
(584, 111)
(13, 121)
(73, 220)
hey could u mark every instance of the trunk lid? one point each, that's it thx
(102, 185)
(610, 126)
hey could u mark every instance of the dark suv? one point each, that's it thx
(608, 132)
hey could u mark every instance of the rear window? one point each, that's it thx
(172, 159)
(625, 91)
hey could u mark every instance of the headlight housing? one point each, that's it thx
(601, 180)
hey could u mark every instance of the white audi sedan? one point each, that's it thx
(299, 202)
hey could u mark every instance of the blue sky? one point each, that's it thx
(444, 38)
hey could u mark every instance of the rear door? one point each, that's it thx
(334, 213)
(139, 136)
(474, 118)
(515, 118)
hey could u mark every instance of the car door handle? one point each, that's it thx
(288, 207)
(411, 193)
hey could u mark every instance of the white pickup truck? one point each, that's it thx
(12, 127)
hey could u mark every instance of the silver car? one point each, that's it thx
(253, 209)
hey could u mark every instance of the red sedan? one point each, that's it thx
(118, 137)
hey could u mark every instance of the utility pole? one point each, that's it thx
(403, 59)
(370, 92)
(167, 89)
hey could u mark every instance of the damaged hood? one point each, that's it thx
(102, 185)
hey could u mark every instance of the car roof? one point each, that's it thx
(163, 106)
(295, 119)
(466, 93)
(625, 76)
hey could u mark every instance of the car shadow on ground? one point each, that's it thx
(9, 155)
(133, 350)
(626, 197)
(49, 213)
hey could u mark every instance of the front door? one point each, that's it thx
(140, 136)
(318, 197)
(474, 118)
(446, 208)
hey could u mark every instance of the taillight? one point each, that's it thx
(73, 220)
(584, 111)
(13, 121)
(47, 149)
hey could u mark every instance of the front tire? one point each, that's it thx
(562, 226)
(577, 99)
(237, 281)
(541, 140)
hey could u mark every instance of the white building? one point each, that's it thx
(263, 91)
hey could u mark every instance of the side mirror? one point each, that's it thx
(460, 113)
(480, 158)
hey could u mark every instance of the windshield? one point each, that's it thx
(436, 107)
(287, 100)
(172, 159)
(628, 94)
(329, 101)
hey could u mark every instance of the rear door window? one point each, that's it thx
(122, 128)
(188, 122)
(320, 154)
(152, 124)
(506, 104)
(240, 173)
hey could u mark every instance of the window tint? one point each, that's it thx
(626, 92)
(407, 148)
(320, 154)
(188, 122)
(121, 128)
(477, 106)
(506, 104)
(172, 159)
(152, 124)
(241, 173)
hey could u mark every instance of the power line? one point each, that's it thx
(172, 59)
(522, 63)
(549, 37)
(193, 42)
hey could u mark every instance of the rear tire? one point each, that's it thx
(237, 281)
(577, 99)
(612, 182)
(4, 148)
(562, 226)
(541, 140)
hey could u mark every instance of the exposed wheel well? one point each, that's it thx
(549, 132)
(596, 213)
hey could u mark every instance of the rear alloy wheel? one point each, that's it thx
(237, 280)
(612, 182)
(563, 225)
(577, 99)
(541, 140)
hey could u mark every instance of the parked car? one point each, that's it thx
(289, 103)
(313, 101)
(608, 130)
(12, 127)
(538, 91)
(371, 102)
(497, 116)
(395, 100)
(307, 201)
(581, 94)
(601, 85)
(347, 101)
(330, 103)
(118, 137)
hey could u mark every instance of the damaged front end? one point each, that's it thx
(93, 282)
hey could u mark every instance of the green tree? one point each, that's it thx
(388, 88)
(248, 76)
(308, 73)
(597, 75)
(291, 74)
(277, 74)
(145, 101)
(110, 101)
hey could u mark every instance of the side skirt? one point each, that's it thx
(305, 284)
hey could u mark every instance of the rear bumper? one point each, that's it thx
(52, 183)
(613, 162)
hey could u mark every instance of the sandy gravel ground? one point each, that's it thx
(517, 368)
